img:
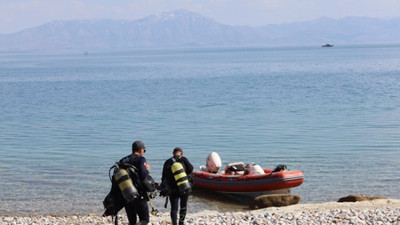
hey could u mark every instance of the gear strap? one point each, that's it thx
(166, 202)
(116, 219)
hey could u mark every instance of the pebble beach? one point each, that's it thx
(380, 211)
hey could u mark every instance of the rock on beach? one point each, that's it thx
(278, 200)
(358, 198)
(380, 211)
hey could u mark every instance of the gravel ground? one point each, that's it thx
(383, 211)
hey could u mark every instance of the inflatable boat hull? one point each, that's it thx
(270, 182)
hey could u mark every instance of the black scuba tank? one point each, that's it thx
(125, 184)
(180, 176)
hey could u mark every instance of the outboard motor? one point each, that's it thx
(213, 162)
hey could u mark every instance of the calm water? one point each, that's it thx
(65, 118)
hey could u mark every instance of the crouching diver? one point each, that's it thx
(139, 205)
(176, 185)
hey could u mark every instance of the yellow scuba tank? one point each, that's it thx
(180, 176)
(125, 184)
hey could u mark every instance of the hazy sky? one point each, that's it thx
(16, 15)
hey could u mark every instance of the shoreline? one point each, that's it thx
(379, 211)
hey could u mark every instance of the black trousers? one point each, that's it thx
(138, 207)
(174, 198)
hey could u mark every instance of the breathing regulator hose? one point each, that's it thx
(154, 212)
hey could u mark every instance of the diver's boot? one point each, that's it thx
(182, 216)
(174, 220)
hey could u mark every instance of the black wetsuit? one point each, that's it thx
(174, 194)
(139, 206)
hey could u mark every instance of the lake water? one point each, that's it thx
(65, 118)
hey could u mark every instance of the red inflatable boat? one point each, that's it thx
(249, 184)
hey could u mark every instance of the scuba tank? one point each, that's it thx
(180, 176)
(125, 184)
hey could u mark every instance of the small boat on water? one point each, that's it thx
(249, 180)
(327, 45)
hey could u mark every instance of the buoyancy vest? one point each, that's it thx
(180, 176)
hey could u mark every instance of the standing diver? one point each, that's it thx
(175, 184)
(138, 206)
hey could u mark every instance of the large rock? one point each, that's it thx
(276, 200)
(358, 198)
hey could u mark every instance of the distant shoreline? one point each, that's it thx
(65, 35)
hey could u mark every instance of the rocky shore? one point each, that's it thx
(380, 211)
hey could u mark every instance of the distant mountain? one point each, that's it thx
(182, 28)
(349, 30)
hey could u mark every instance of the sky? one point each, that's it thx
(16, 15)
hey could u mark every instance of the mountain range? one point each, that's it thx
(182, 28)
